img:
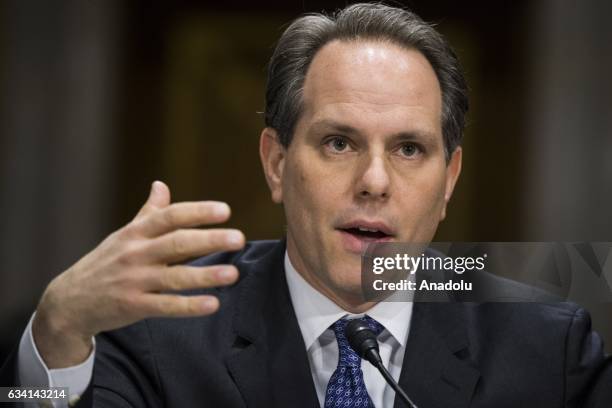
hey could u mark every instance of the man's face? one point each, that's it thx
(367, 154)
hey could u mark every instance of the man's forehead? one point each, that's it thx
(339, 62)
(373, 76)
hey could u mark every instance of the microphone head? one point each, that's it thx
(363, 340)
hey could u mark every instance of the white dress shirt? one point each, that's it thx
(315, 314)
(33, 372)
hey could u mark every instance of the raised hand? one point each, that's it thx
(123, 280)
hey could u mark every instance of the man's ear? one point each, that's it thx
(453, 169)
(272, 154)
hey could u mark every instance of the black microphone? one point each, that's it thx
(363, 340)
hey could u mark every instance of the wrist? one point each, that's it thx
(58, 343)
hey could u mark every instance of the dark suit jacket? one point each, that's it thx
(251, 353)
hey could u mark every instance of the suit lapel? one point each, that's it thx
(247, 361)
(268, 361)
(290, 370)
(433, 372)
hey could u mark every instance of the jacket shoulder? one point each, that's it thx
(252, 252)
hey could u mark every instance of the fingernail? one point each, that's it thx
(221, 210)
(234, 238)
(209, 303)
(226, 274)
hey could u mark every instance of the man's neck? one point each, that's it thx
(350, 301)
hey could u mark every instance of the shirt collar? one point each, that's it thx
(315, 312)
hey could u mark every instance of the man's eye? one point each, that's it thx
(337, 144)
(410, 149)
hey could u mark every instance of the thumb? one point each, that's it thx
(159, 197)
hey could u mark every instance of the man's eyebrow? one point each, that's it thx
(332, 125)
(415, 136)
(328, 125)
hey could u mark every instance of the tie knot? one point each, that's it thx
(348, 356)
(340, 325)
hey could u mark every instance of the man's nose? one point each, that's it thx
(373, 181)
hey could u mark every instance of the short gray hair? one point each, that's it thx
(306, 35)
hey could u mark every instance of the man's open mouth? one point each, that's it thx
(366, 233)
(360, 232)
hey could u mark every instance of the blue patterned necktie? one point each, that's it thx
(346, 388)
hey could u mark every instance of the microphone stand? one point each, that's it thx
(387, 376)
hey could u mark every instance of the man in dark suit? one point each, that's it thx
(364, 118)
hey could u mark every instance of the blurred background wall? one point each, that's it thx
(98, 98)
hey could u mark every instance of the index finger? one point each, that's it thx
(182, 215)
